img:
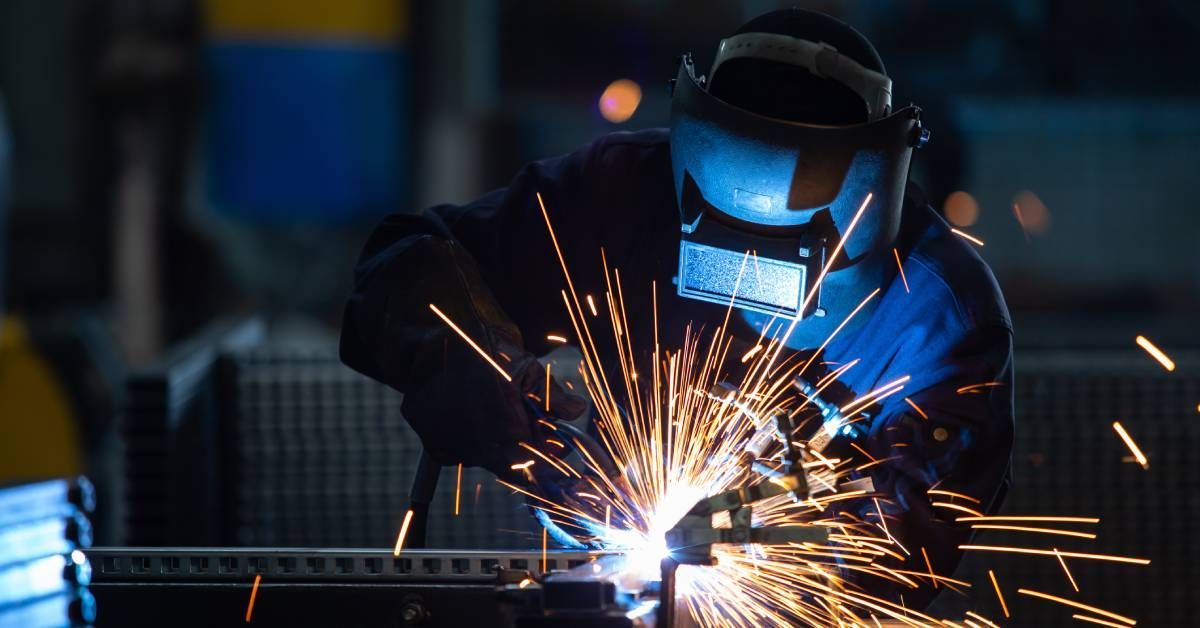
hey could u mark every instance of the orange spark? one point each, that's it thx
(901, 267)
(524, 583)
(751, 353)
(1065, 570)
(976, 387)
(1133, 448)
(467, 338)
(989, 526)
(940, 491)
(883, 523)
(929, 566)
(522, 465)
(457, 489)
(1079, 605)
(1155, 353)
(836, 250)
(999, 595)
(917, 408)
(1025, 518)
(544, 562)
(1097, 620)
(967, 236)
(592, 305)
(953, 506)
(403, 533)
(253, 595)
(883, 391)
(556, 338)
(983, 619)
(1038, 552)
(863, 452)
(547, 387)
(560, 466)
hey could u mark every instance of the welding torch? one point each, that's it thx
(691, 540)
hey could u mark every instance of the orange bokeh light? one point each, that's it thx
(1032, 213)
(620, 100)
(961, 209)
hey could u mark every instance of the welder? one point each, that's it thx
(791, 132)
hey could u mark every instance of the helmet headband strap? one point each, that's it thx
(821, 59)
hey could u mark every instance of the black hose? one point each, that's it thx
(420, 496)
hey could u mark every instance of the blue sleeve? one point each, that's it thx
(956, 435)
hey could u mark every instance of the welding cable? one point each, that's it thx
(424, 486)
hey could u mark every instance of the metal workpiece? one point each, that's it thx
(128, 564)
(301, 586)
(591, 595)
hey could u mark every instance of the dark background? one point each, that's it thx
(171, 164)
(1090, 107)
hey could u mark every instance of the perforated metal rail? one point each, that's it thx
(181, 564)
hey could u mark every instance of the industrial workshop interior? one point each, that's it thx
(578, 313)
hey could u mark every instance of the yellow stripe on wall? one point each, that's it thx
(377, 21)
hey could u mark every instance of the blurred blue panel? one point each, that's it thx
(5, 160)
(306, 132)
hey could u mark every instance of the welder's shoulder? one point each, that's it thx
(954, 270)
(629, 152)
(626, 176)
(645, 139)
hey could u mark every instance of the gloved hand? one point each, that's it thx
(503, 415)
(567, 429)
(564, 405)
(462, 408)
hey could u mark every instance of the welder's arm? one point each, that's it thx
(476, 263)
(964, 446)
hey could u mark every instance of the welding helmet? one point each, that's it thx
(787, 191)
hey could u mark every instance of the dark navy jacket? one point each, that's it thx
(947, 330)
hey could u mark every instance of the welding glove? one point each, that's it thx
(466, 408)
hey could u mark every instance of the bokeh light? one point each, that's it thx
(620, 100)
(1032, 213)
(961, 209)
